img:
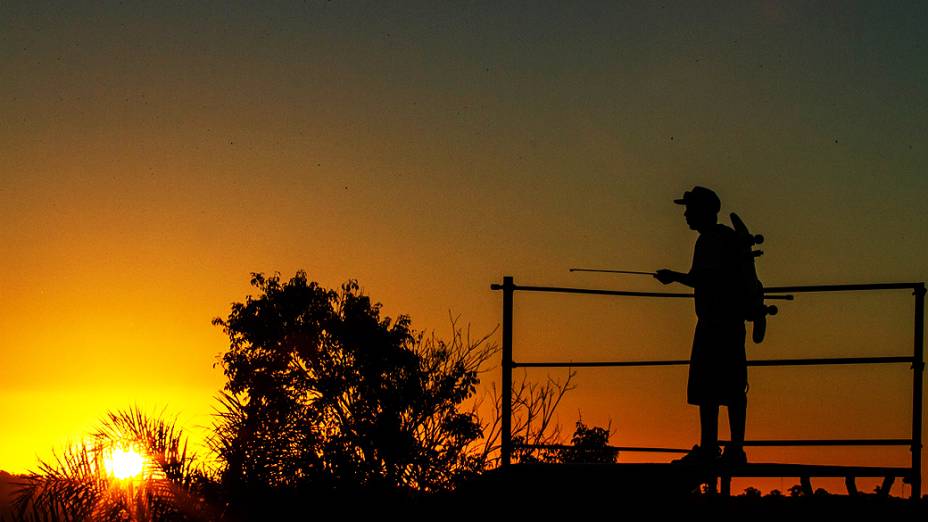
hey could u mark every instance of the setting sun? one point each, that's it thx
(124, 464)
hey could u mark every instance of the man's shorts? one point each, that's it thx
(718, 365)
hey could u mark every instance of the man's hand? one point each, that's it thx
(665, 276)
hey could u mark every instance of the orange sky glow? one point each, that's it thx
(150, 159)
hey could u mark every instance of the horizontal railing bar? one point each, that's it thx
(826, 442)
(684, 362)
(751, 469)
(561, 290)
(844, 288)
(617, 448)
(832, 361)
(587, 364)
(752, 443)
(767, 290)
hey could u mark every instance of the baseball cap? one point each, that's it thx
(700, 197)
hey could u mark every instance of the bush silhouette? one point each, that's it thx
(322, 391)
(589, 445)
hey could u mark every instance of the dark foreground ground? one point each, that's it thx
(569, 492)
(543, 493)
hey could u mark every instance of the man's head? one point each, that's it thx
(702, 207)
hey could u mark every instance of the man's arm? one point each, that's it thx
(670, 276)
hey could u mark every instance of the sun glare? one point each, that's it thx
(124, 464)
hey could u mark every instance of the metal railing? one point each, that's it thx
(508, 287)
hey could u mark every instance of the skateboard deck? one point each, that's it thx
(755, 310)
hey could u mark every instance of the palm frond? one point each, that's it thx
(76, 485)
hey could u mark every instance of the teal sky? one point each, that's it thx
(153, 154)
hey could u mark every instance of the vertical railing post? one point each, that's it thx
(506, 443)
(918, 369)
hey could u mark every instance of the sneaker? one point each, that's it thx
(699, 455)
(734, 457)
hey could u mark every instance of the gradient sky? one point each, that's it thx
(153, 154)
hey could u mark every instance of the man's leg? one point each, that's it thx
(708, 449)
(709, 427)
(737, 415)
(737, 418)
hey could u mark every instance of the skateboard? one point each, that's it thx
(752, 289)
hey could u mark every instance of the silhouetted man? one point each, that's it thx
(718, 370)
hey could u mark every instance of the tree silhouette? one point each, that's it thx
(536, 434)
(322, 391)
(534, 425)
